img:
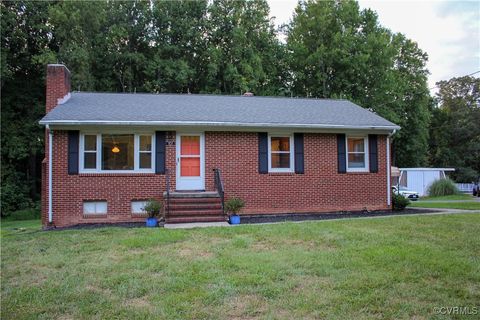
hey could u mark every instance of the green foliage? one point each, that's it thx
(399, 202)
(153, 208)
(25, 214)
(25, 43)
(340, 51)
(466, 175)
(455, 129)
(234, 205)
(442, 187)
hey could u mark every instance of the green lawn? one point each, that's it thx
(461, 196)
(383, 268)
(470, 205)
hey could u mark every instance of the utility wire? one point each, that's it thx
(468, 75)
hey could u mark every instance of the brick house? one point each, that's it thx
(108, 153)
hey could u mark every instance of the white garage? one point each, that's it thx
(419, 179)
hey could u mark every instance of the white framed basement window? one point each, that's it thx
(138, 206)
(116, 152)
(94, 207)
(357, 153)
(280, 153)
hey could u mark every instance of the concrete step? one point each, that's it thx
(191, 219)
(196, 206)
(198, 212)
(194, 201)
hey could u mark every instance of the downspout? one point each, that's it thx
(50, 160)
(389, 191)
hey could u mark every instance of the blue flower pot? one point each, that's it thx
(152, 222)
(235, 219)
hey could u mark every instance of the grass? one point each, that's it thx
(468, 205)
(461, 196)
(389, 268)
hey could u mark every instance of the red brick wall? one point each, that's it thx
(58, 84)
(57, 87)
(69, 191)
(321, 188)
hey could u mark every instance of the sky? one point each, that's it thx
(449, 31)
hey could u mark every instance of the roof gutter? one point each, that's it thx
(392, 128)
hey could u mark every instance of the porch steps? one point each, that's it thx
(198, 206)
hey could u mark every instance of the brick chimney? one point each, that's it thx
(58, 85)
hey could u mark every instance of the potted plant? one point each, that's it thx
(152, 208)
(233, 207)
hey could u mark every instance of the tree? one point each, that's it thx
(79, 29)
(455, 130)
(179, 45)
(26, 40)
(243, 49)
(338, 51)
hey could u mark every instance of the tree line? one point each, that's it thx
(331, 49)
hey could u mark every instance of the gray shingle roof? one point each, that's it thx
(178, 109)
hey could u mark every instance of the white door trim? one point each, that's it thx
(190, 183)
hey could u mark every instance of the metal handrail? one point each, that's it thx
(219, 187)
(167, 207)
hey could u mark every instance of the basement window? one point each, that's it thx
(94, 207)
(138, 207)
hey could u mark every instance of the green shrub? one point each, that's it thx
(399, 202)
(442, 187)
(465, 175)
(25, 214)
(14, 196)
(153, 208)
(234, 205)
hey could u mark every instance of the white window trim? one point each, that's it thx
(292, 153)
(136, 157)
(366, 168)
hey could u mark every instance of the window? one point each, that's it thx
(280, 153)
(138, 207)
(145, 152)
(94, 207)
(357, 154)
(90, 152)
(115, 152)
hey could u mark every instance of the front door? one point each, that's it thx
(190, 161)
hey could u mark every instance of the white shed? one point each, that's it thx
(419, 179)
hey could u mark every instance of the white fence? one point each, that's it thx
(465, 187)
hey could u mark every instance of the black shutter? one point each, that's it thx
(341, 153)
(262, 152)
(160, 152)
(298, 146)
(373, 152)
(73, 145)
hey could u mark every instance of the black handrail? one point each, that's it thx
(167, 206)
(219, 187)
